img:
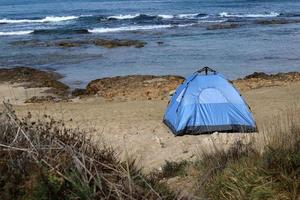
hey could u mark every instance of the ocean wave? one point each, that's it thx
(161, 16)
(139, 16)
(193, 16)
(128, 28)
(120, 17)
(44, 20)
(271, 14)
(137, 28)
(166, 16)
(16, 33)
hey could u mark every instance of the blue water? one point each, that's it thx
(178, 41)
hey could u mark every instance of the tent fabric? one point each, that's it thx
(207, 103)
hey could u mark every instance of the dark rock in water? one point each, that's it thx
(77, 43)
(118, 43)
(60, 31)
(78, 92)
(276, 21)
(134, 87)
(201, 15)
(160, 42)
(145, 17)
(223, 26)
(31, 43)
(67, 44)
(33, 78)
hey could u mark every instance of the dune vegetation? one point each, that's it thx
(43, 159)
(267, 166)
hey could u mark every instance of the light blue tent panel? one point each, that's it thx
(207, 103)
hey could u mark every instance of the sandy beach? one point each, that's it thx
(135, 128)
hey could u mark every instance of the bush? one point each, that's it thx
(244, 173)
(45, 160)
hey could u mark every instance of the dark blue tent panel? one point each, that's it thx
(207, 103)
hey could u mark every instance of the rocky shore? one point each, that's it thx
(142, 87)
(136, 87)
(125, 88)
(67, 43)
(33, 78)
(260, 79)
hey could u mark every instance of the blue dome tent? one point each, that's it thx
(207, 102)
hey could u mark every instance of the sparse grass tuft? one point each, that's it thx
(172, 169)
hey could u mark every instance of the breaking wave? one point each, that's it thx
(15, 33)
(120, 17)
(271, 14)
(44, 20)
(161, 16)
(129, 28)
(137, 28)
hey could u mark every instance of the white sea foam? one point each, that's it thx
(15, 33)
(271, 14)
(44, 20)
(163, 16)
(166, 16)
(120, 17)
(129, 28)
(185, 25)
(136, 28)
(191, 16)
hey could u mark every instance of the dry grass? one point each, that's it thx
(45, 160)
(266, 168)
(265, 165)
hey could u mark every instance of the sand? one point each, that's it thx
(135, 128)
(17, 94)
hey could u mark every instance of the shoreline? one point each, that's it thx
(38, 86)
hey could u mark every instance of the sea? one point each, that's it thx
(182, 36)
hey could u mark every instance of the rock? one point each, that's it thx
(134, 87)
(275, 21)
(261, 79)
(172, 92)
(257, 75)
(67, 44)
(33, 78)
(47, 99)
(40, 99)
(114, 43)
(223, 26)
(78, 92)
(118, 43)
(31, 43)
